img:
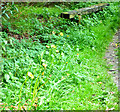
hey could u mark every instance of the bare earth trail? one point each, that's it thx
(112, 57)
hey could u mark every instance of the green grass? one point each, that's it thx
(75, 76)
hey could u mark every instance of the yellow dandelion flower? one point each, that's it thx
(116, 45)
(53, 46)
(42, 73)
(61, 33)
(45, 65)
(68, 74)
(98, 76)
(67, 35)
(30, 75)
(77, 53)
(57, 51)
(47, 46)
(35, 105)
(66, 62)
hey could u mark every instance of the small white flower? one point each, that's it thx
(5, 42)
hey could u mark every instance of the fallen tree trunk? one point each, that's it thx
(82, 11)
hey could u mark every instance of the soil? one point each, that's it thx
(112, 57)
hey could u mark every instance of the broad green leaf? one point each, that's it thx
(7, 77)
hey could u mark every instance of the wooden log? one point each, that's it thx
(82, 11)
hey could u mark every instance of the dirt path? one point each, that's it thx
(112, 57)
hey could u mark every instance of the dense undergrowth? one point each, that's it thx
(53, 63)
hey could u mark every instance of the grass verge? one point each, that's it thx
(67, 72)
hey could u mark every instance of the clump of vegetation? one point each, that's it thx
(50, 62)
